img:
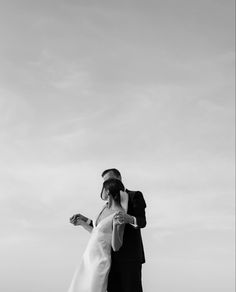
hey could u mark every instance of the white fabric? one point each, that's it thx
(92, 273)
(135, 222)
(124, 199)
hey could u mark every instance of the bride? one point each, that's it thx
(106, 234)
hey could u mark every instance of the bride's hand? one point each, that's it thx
(117, 220)
(123, 218)
(78, 219)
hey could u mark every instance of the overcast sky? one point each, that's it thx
(143, 86)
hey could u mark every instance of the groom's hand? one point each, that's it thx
(123, 218)
(78, 219)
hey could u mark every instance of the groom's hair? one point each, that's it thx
(115, 172)
(114, 186)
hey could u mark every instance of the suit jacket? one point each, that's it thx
(132, 248)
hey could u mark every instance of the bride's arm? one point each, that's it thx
(87, 226)
(79, 219)
(117, 235)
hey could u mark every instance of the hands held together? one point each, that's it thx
(123, 218)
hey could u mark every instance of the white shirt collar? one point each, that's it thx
(124, 199)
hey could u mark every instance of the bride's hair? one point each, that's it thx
(114, 186)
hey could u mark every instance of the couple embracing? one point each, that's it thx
(113, 258)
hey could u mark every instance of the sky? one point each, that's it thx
(143, 86)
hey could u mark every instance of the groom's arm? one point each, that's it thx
(137, 217)
(139, 206)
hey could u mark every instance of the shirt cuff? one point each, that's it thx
(135, 222)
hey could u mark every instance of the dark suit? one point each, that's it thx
(125, 274)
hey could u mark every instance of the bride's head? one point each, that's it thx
(112, 188)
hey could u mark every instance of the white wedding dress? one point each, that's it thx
(92, 273)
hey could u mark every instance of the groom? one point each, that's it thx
(126, 264)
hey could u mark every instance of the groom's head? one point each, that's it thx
(111, 173)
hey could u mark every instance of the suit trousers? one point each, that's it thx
(125, 276)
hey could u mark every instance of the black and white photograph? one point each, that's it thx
(117, 146)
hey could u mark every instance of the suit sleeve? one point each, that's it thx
(139, 206)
